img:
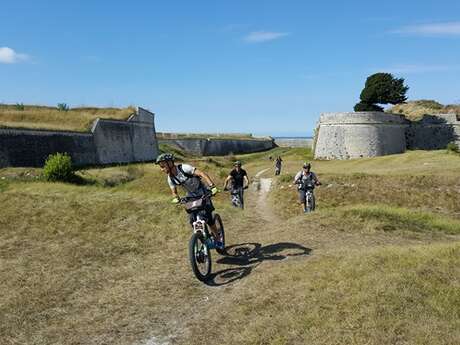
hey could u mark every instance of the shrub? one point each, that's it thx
(19, 106)
(361, 106)
(58, 167)
(453, 147)
(63, 107)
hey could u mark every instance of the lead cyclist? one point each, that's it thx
(191, 179)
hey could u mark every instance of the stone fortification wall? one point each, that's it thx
(294, 142)
(110, 142)
(30, 148)
(433, 132)
(220, 147)
(369, 134)
(362, 134)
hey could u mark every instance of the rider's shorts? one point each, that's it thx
(206, 214)
(302, 195)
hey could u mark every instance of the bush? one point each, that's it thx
(453, 147)
(58, 167)
(19, 106)
(361, 106)
(63, 107)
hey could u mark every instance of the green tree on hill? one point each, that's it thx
(381, 88)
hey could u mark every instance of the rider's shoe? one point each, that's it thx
(218, 244)
(210, 243)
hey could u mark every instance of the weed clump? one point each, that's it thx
(58, 167)
(452, 147)
(63, 107)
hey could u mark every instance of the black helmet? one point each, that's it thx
(306, 165)
(164, 157)
(237, 163)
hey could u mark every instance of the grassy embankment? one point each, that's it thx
(378, 263)
(41, 117)
(415, 110)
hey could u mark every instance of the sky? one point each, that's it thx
(262, 67)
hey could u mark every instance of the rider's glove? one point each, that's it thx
(214, 190)
(176, 200)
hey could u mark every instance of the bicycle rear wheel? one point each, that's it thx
(200, 256)
(220, 228)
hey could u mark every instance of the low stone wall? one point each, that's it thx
(220, 147)
(110, 142)
(294, 142)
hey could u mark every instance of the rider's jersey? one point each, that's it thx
(238, 177)
(304, 180)
(185, 177)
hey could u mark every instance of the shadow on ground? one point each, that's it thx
(247, 256)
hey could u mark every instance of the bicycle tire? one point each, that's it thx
(220, 225)
(196, 240)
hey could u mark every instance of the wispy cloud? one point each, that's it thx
(263, 36)
(432, 29)
(418, 68)
(8, 55)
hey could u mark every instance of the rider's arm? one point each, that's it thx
(174, 192)
(205, 177)
(297, 177)
(317, 182)
(246, 179)
(229, 177)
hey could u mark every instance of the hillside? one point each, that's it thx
(106, 262)
(414, 110)
(42, 117)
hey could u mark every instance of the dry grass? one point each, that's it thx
(76, 119)
(415, 110)
(106, 263)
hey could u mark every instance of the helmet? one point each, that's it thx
(306, 165)
(164, 157)
(237, 163)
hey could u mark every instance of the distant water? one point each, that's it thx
(294, 138)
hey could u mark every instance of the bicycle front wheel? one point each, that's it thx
(200, 256)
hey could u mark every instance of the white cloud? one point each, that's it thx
(8, 55)
(433, 29)
(414, 68)
(264, 36)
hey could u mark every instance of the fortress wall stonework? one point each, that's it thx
(356, 135)
(369, 134)
(110, 142)
(220, 147)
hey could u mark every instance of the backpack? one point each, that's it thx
(176, 182)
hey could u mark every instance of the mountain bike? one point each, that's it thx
(310, 202)
(201, 242)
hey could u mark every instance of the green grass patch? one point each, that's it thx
(398, 218)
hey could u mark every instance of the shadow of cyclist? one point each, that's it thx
(249, 255)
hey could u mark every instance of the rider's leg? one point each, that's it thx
(241, 191)
(302, 199)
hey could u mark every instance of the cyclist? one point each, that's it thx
(278, 163)
(305, 179)
(191, 179)
(240, 180)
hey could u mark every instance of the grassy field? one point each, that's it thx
(106, 262)
(41, 117)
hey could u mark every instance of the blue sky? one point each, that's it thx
(265, 67)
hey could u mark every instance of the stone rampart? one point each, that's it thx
(363, 134)
(369, 134)
(110, 142)
(294, 142)
(220, 147)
